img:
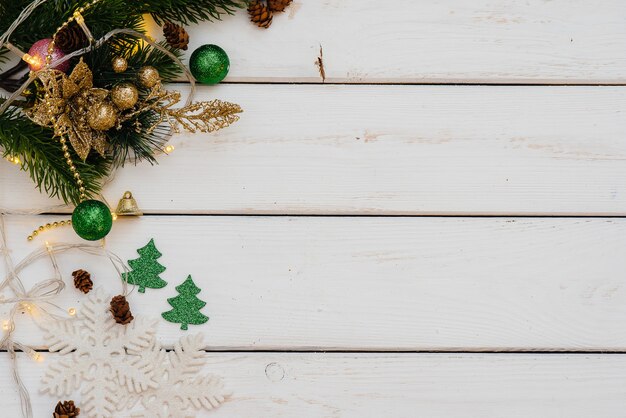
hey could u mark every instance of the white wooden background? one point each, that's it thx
(469, 163)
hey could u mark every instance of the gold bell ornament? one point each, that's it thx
(128, 206)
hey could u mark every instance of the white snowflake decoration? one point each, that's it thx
(94, 348)
(180, 389)
(117, 365)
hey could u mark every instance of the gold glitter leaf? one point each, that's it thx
(206, 116)
(69, 89)
(82, 75)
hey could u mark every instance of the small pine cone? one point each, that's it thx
(260, 14)
(82, 281)
(121, 310)
(71, 38)
(278, 5)
(66, 409)
(175, 35)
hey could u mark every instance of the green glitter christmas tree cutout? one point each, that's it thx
(145, 269)
(186, 306)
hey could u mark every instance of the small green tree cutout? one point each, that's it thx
(186, 306)
(145, 269)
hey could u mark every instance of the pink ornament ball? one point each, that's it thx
(39, 52)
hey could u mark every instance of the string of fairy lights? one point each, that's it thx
(38, 301)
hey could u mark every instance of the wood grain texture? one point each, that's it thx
(482, 41)
(284, 385)
(371, 283)
(387, 150)
(385, 284)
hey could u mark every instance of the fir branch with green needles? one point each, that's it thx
(101, 18)
(41, 156)
(141, 55)
(186, 12)
(131, 143)
(135, 143)
(133, 139)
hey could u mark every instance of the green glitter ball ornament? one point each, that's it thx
(209, 64)
(92, 220)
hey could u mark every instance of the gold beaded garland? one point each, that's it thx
(102, 117)
(62, 140)
(52, 225)
(119, 64)
(148, 76)
(124, 96)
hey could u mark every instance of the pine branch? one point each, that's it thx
(42, 158)
(186, 12)
(104, 76)
(16, 69)
(134, 142)
(138, 144)
(36, 147)
(43, 22)
(12, 84)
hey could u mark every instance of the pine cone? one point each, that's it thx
(278, 5)
(175, 35)
(71, 38)
(260, 14)
(82, 281)
(121, 310)
(66, 409)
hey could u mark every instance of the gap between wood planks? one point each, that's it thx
(343, 351)
(425, 83)
(365, 215)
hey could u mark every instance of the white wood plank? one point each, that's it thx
(484, 41)
(372, 283)
(387, 150)
(397, 385)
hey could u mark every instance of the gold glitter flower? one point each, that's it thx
(66, 105)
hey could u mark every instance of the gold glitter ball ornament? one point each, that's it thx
(124, 96)
(119, 64)
(102, 116)
(148, 76)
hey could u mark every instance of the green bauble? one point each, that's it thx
(209, 64)
(92, 220)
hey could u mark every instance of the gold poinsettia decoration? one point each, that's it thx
(75, 109)
(66, 105)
